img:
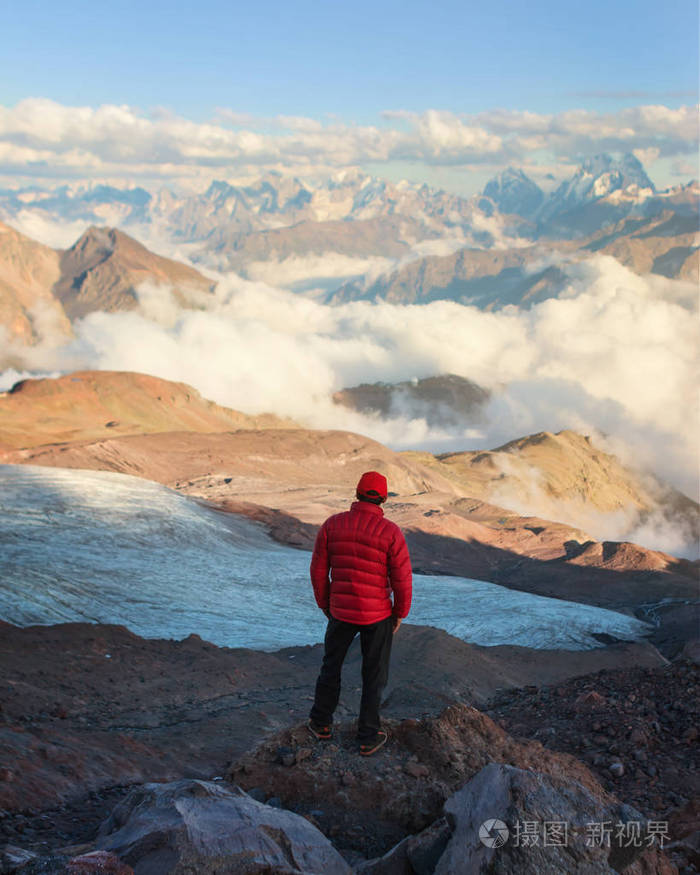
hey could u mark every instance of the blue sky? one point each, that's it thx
(347, 63)
(351, 59)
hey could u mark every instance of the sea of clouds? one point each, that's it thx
(614, 356)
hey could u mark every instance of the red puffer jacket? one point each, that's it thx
(359, 558)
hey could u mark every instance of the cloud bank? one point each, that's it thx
(615, 354)
(45, 139)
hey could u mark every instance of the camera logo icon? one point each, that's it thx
(493, 833)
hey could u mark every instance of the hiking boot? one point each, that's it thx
(367, 748)
(323, 733)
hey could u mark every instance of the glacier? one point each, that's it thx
(102, 547)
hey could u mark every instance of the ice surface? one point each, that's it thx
(110, 548)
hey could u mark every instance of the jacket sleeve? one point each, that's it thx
(320, 568)
(400, 575)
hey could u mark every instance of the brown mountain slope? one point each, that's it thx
(295, 469)
(291, 480)
(102, 270)
(564, 467)
(491, 278)
(666, 244)
(560, 476)
(566, 477)
(387, 236)
(28, 271)
(90, 405)
(41, 289)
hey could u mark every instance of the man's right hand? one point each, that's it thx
(397, 622)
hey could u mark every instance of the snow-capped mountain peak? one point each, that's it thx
(512, 191)
(598, 177)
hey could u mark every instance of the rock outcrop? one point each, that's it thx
(205, 827)
(446, 400)
(104, 268)
(510, 821)
(365, 803)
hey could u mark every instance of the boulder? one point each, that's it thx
(414, 855)
(205, 827)
(684, 827)
(491, 816)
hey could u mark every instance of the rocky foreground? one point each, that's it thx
(92, 714)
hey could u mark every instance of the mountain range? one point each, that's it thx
(275, 201)
(351, 236)
(536, 515)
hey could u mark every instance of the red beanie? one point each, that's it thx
(372, 485)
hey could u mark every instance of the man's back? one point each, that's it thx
(359, 558)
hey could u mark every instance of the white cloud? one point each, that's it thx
(45, 138)
(616, 353)
(306, 269)
(57, 234)
(444, 136)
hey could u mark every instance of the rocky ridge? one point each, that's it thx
(104, 268)
(665, 244)
(445, 400)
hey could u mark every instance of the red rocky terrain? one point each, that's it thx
(89, 710)
(637, 731)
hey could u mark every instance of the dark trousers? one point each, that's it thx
(376, 649)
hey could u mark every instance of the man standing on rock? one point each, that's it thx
(359, 559)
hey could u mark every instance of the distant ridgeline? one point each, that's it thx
(422, 244)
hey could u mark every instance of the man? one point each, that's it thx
(359, 559)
